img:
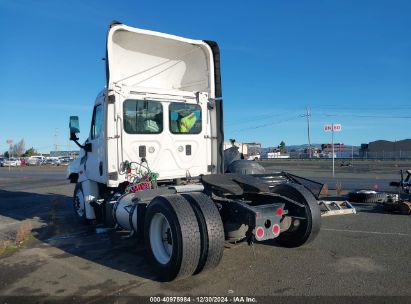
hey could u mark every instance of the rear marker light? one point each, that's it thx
(279, 211)
(276, 229)
(259, 233)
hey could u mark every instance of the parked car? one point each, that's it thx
(2, 159)
(64, 161)
(12, 162)
(35, 160)
(52, 161)
(55, 162)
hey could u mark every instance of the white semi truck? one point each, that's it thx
(153, 161)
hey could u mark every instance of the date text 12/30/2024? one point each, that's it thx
(224, 299)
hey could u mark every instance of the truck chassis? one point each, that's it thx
(185, 226)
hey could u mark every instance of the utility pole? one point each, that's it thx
(352, 155)
(56, 144)
(332, 143)
(308, 115)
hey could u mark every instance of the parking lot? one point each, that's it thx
(367, 254)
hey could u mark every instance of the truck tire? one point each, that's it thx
(367, 196)
(172, 236)
(79, 204)
(307, 229)
(211, 230)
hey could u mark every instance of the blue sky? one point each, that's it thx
(349, 61)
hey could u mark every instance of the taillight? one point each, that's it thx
(259, 232)
(279, 211)
(276, 229)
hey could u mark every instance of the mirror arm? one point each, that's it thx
(86, 147)
(75, 139)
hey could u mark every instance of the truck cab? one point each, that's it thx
(161, 104)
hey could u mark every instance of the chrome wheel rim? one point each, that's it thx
(161, 239)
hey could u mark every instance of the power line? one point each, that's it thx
(374, 108)
(368, 108)
(270, 123)
(253, 118)
(365, 116)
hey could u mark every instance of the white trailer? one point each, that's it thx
(153, 161)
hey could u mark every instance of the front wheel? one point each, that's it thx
(79, 204)
(306, 219)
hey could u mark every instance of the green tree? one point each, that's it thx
(30, 152)
(6, 154)
(282, 147)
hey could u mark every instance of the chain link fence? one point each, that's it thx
(356, 154)
(385, 155)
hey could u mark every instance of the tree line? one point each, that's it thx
(19, 150)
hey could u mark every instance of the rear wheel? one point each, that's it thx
(172, 236)
(306, 220)
(211, 230)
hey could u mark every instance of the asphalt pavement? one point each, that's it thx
(367, 254)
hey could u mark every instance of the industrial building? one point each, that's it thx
(385, 149)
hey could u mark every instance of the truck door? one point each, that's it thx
(95, 159)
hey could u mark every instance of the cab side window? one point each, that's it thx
(97, 122)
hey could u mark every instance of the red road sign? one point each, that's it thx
(9, 141)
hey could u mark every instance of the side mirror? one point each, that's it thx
(74, 127)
